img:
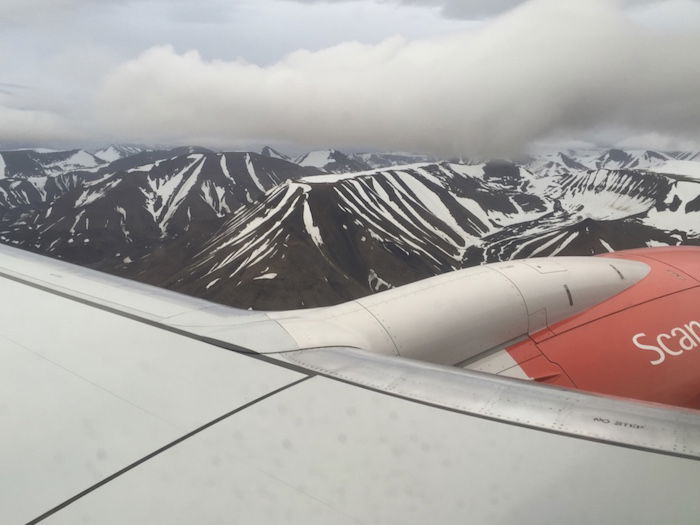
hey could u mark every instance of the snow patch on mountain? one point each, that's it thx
(376, 283)
(560, 163)
(606, 194)
(332, 161)
(265, 276)
(316, 159)
(332, 178)
(387, 160)
(555, 164)
(109, 154)
(94, 193)
(680, 210)
(251, 172)
(159, 192)
(616, 159)
(686, 168)
(113, 152)
(224, 167)
(79, 160)
(311, 228)
(182, 191)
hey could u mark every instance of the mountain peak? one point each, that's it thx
(268, 151)
(117, 151)
(332, 161)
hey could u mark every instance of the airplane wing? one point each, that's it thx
(124, 403)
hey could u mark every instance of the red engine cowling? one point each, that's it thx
(643, 343)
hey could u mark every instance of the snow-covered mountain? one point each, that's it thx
(558, 163)
(23, 194)
(328, 238)
(36, 177)
(268, 151)
(387, 160)
(121, 214)
(558, 235)
(685, 155)
(30, 178)
(684, 168)
(33, 163)
(260, 231)
(616, 159)
(604, 210)
(332, 161)
(607, 194)
(115, 152)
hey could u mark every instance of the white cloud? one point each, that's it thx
(670, 15)
(656, 141)
(28, 127)
(547, 69)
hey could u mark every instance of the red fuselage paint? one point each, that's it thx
(643, 343)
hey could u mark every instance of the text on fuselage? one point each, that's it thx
(678, 340)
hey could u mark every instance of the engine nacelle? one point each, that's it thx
(625, 324)
(643, 343)
(453, 318)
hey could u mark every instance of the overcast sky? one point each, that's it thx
(474, 77)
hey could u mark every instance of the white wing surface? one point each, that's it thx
(123, 403)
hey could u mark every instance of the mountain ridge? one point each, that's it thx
(256, 230)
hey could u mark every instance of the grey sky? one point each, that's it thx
(467, 9)
(180, 71)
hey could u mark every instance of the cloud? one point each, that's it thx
(21, 127)
(451, 8)
(548, 69)
(21, 124)
(17, 11)
(467, 9)
(216, 11)
(656, 141)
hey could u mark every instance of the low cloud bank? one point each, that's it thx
(545, 71)
(22, 127)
